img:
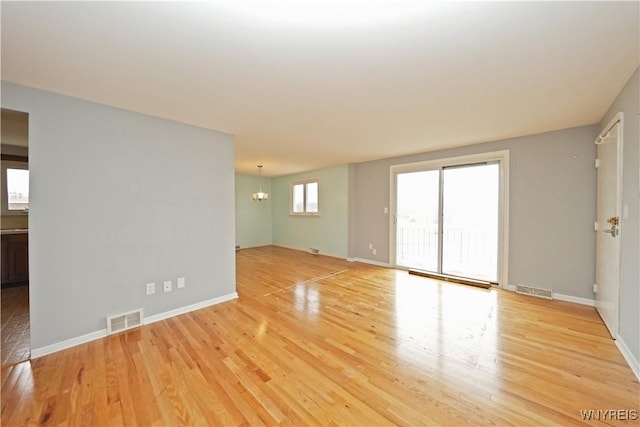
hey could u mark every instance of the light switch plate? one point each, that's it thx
(151, 288)
(181, 283)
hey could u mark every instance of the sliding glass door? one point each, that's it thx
(470, 221)
(417, 220)
(447, 220)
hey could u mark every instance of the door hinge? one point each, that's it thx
(595, 288)
(595, 226)
(597, 163)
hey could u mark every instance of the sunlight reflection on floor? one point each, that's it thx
(461, 319)
(307, 299)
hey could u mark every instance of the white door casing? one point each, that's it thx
(608, 222)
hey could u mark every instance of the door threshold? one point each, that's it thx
(453, 279)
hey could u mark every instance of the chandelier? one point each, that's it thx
(260, 195)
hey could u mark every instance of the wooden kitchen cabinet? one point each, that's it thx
(15, 258)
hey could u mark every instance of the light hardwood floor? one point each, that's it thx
(14, 330)
(314, 340)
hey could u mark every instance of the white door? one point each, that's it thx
(608, 209)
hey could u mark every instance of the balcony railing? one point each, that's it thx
(465, 252)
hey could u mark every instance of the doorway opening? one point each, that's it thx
(15, 329)
(450, 216)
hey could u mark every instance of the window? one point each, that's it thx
(304, 197)
(17, 189)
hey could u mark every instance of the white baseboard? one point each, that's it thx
(252, 246)
(186, 309)
(72, 342)
(362, 260)
(561, 297)
(307, 251)
(577, 300)
(370, 261)
(628, 356)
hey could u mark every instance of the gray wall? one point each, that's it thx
(551, 204)
(253, 219)
(628, 101)
(120, 199)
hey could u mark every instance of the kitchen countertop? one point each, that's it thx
(14, 231)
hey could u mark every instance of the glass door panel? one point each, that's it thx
(417, 208)
(470, 208)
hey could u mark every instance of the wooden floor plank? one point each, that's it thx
(314, 340)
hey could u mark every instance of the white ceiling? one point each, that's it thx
(305, 85)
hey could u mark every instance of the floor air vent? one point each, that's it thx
(536, 292)
(124, 321)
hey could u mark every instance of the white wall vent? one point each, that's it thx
(122, 322)
(536, 292)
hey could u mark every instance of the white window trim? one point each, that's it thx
(298, 182)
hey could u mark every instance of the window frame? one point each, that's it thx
(11, 164)
(304, 183)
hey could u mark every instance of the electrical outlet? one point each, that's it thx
(151, 288)
(181, 283)
(370, 246)
(167, 286)
(375, 252)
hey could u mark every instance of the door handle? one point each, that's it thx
(613, 231)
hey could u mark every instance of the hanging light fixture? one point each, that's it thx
(260, 196)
